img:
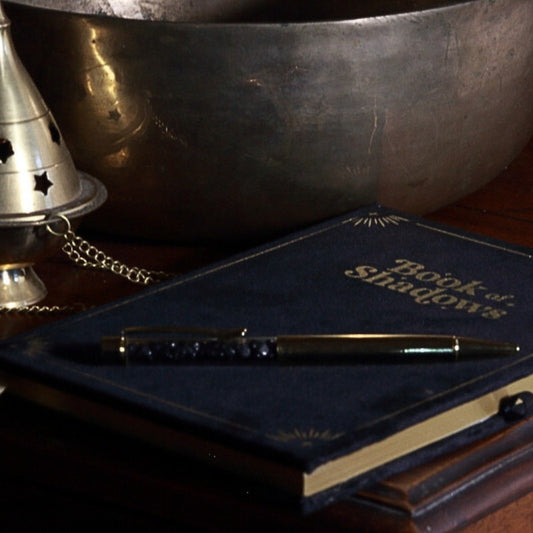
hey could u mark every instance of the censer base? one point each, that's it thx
(19, 287)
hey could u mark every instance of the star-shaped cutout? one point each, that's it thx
(54, 133)
(114, 115)
(6, 150)
(42, 183)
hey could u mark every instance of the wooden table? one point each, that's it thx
(58, 473)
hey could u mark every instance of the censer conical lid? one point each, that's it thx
(37, 174)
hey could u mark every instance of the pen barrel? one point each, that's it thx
(345, 348)
(348, 349)
(160, 351)
(300, 349)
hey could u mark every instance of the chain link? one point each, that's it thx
(42, 309)
(84, 254)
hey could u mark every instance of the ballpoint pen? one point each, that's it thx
(169, 345)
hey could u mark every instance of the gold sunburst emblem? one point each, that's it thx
(375, 219)
(306, 437)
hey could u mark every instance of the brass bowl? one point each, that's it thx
(241, 119)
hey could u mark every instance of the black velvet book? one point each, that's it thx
(312, 432)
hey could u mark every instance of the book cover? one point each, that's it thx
(312, 432)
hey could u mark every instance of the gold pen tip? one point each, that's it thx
(511, 349)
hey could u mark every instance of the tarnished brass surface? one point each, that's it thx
(240, 119)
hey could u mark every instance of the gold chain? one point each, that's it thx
(86, 255)
(42, 309)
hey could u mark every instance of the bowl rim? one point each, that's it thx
(98, 12)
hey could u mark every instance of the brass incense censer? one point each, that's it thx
(40, 188)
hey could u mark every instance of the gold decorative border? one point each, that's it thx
(376, 219)
(306, 438)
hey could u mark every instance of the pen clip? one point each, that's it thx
(176, 333)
